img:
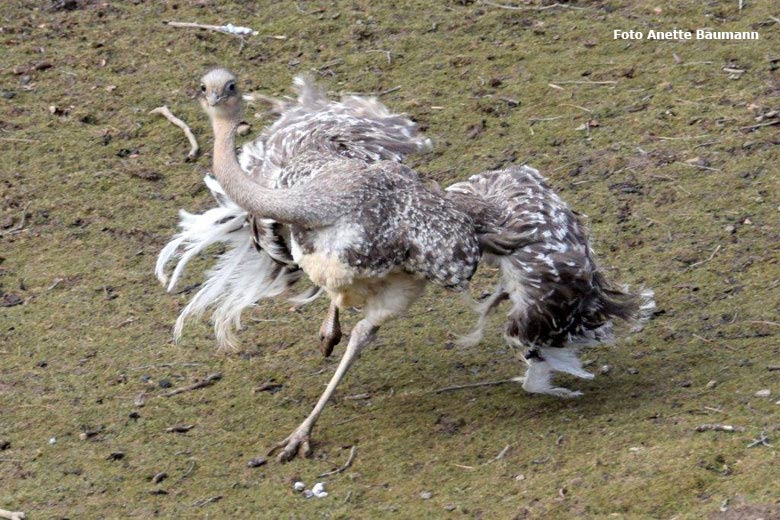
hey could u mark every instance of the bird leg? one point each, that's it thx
(299, 441)
(330, 331)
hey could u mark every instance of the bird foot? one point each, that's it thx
(329, 338)
(327, 343)
(297, 443)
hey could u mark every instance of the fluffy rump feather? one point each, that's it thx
(242, 275)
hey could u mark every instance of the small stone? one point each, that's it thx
(764, 393)
(426, 495)
(8, 94)
(686, 384)
(299, 486)
(319, 490)
(519, 477)
(25, 80)
(633, 371)
(450, 507)
(730, 229)
(605, 369)
(116, 455)
(159, 477)
(5, 445)
(164, 383)
(712, 384)
(53, 440)
(256, 462)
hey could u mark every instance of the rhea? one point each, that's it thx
(372, 235)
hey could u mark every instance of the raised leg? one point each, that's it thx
(298, 442)
(330, 331)
(391, 296)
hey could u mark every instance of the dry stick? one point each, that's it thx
(761, 125)
(583, 82)
(11, 515)
(707, 260)
(719, 428)
(346, 465)
(542, 8)
(762, 322)
(475, 385)
(210, 380)
(194, 148)
(22, 222)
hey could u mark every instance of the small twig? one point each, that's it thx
(502, 453)
(719, 428)
(357, 397)
(699, 166)
(205, 501)
(475, 385)
(763, 322)
(188, 472)
(760, 125)
(18, 139)
(586, 82)
(11, 515)
(350, 460)
(230, 29)
(194, 148)
(707, 260)
(329, 64)
(182, 428)
(388, 91)
(20, 227)
(210, 380)
(762, 440)
(542, 8)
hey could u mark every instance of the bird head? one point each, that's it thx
(219, 95)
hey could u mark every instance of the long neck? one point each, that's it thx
(257, 199)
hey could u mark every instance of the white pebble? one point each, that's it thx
(308, 493)
(319, 490)
(299, 486)
(764, 393)
(426, 495)
(53, 440)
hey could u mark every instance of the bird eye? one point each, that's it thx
(231, 87)
(202, 87)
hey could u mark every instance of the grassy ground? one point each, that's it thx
(644, 137)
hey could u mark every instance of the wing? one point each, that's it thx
(355, 127)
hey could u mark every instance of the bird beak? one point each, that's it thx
(213, 99)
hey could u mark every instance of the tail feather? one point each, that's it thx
(561, 301)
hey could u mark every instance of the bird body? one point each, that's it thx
(389, 223)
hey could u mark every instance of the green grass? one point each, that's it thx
(73, 355)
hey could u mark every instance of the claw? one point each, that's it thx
(297, 444)
(328, 342)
